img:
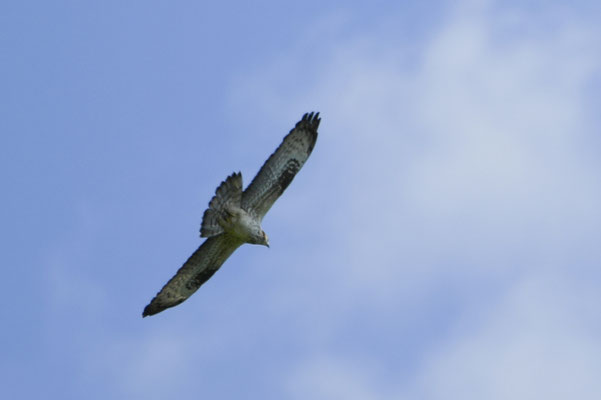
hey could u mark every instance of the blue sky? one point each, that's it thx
(441, 242)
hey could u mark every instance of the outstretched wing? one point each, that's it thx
(281, 167)
(197, 270)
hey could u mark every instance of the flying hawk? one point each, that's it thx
(234, 216)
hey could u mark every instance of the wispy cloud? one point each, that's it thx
(463, 172)
(442, 241)
(538, 340)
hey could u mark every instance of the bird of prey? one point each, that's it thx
(234, 216)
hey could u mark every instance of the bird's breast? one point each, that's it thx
(241, 225)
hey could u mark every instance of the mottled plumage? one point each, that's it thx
(234, 216)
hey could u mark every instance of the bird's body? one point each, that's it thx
(234, 216)
(240, 224)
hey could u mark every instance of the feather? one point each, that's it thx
(201, 265)
(281, 167)
(228, 226)
(227, 195)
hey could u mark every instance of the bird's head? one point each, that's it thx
(259, 237)
(265, 239)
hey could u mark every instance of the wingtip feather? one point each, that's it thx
(311, 120)
(152, 308)
(146, 312)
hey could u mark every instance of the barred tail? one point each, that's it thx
(229, 193)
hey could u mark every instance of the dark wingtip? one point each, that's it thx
(311, 119)
(146, 312)
(150, 310)
(157, 306)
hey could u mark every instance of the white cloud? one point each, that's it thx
(467, 167)
(449, 169)
(538, 342)
(484, 136)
